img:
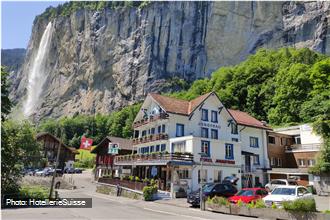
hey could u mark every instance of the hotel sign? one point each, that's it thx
(225, 161)
(209, 125)
(113, 149)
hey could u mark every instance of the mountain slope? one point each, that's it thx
(102, 60)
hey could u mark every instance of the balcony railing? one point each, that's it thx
(150, 138)
(294, 147)
(150, 119)
(141, 158)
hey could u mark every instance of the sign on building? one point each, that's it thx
(113, 149)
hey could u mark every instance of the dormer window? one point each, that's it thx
(205, 114)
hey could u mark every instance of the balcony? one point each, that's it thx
(150, 119)
(303, 147)
(153, 158)
(150, 138)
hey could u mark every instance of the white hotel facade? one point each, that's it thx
(198, 139)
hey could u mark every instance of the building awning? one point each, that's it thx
(247, 153)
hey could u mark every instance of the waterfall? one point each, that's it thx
(37, 73)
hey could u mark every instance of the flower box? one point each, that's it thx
(217, 208)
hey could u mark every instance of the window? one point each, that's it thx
(234, 139)
(229, 151)
(179, 147)
(136, 133)
(217, 176)
(254, 142)
(163, 128)
(205, 114)
(214, 116)
(184, 174)
(301, 162)
(256, 159)
(163, 147)
(311, 162)
(205, 132)
(301, 191)
(157, 148)
(179, 130)
(144, 133)
(214, 133)
(279, 162)
(205, 148)
(152, 148)
(152, 130)
(202, 174)
(273, 161)
(271, 140)
(297, 139)
(159, 129)
(278, 182)
(234, 129)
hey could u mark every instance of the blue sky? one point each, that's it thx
(17, 19)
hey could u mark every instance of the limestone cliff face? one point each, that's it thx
(103, 60)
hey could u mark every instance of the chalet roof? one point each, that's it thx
(40, 135)
(243, 118)
(124, 144)
(178, 106)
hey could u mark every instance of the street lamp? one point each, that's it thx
(201, 200)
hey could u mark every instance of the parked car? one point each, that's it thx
(287, 193)
(247, 195)
(77, 170)
(69, 170)
(280, 182)
(211, 190)
(44, 172)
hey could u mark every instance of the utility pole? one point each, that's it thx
(201, 199)
(55, 166)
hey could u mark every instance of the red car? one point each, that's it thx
(248, 195)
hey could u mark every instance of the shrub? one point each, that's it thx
(251, 205)
(148, 192)
(326, 211)
(302, 205)
(131, 178)
(146, 180)
(137, 178)
(260, 204)
(240, 203)
(34, 192)
(220, 201)
(274, 206)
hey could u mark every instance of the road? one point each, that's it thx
(109, 207)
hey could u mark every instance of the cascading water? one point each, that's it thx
(37, 73)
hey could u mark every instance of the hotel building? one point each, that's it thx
(181, 143)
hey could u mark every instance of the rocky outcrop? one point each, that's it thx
(103, 60)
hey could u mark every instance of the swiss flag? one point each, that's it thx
(86, 143)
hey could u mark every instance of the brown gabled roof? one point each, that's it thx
(43, 134)
(178, 106)
(124, 144)
(244, 118)
(171, 105)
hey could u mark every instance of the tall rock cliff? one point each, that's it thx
(102, 60)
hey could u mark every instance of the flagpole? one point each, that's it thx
(55, 167)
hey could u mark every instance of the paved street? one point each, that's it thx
(108, 207)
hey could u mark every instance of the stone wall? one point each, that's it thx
(112, 190)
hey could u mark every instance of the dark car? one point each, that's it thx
(77, 170)
(211, 190)
(69, 170)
